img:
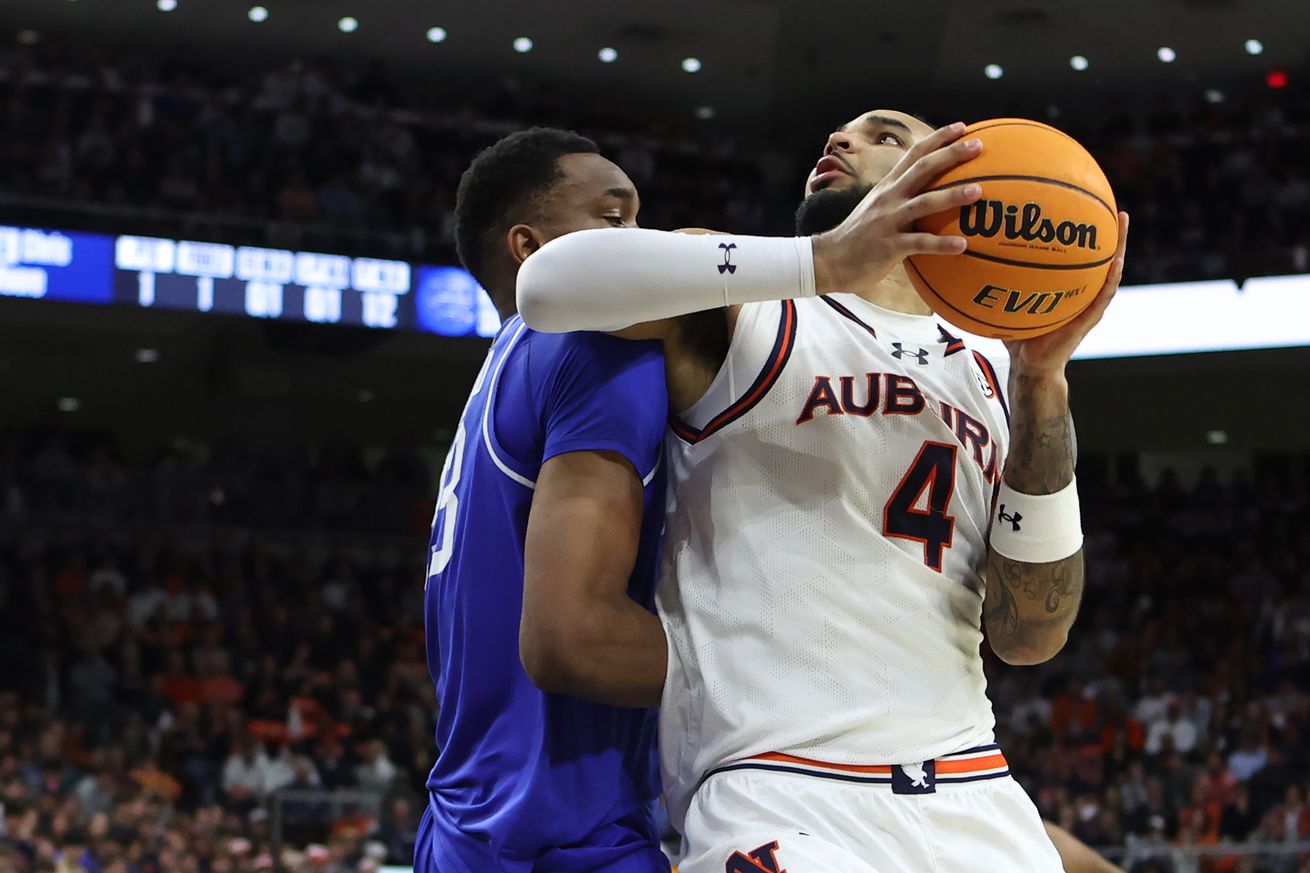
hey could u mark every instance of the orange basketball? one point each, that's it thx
(1040, 240)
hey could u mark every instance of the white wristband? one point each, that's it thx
(1037, 529)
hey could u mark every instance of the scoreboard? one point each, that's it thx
(244, 281)
(1264, 312)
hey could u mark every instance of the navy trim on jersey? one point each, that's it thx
(994, 747)
(779, 768)
(953, 343)
(846, 777)
(773, 367)
(990, 372)
(842, 310)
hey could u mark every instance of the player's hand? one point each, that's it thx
(879, 234)
(1048, 354)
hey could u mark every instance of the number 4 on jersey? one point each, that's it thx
(909, 516)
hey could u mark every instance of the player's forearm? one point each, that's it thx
(611, 279)
(612, 652)
(1030, 607)
(1075, 855)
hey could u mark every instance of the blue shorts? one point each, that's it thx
(627, 845)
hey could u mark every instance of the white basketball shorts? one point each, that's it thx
(962, 813)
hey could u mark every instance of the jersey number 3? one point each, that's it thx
(909, 515)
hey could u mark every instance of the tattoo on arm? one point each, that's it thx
(1029, 608)
(1042, 441)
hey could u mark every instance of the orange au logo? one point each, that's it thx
(987, 218)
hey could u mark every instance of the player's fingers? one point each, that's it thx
(940, 137)
(938, 201)
(1116, 274)
(929, 244)
(1095, 311)
(929, 167)
(1122, 248)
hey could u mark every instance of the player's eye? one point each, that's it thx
(889, 139)
(615, 220)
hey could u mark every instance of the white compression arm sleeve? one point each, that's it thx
(613, 278)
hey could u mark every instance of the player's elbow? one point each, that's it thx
(552, 658)
(1031, 649)
(539, 295)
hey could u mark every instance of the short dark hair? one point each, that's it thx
(502, 180)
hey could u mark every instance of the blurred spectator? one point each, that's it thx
(247, 772)
(1173, 730)
(375, 772)
(1250, 757)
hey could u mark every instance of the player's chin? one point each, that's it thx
(830, 182)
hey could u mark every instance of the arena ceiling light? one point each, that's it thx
(691, 65)
(436, 34)
(705, 113)
(993, 71)
(348, 24)
(608, 55)
(146, 356)
(258, 14)
(522, 44)
(1214, 95)
(68, 404)
(1254, 47)
(166, 5)
(1166, 54)
(1079, 63)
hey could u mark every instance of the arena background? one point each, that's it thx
(213, 508)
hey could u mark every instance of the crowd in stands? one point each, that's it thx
(315, 156)
(1179, 713)
(170, 681)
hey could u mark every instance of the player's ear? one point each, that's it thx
(523, 240)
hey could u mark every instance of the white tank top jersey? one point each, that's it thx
(829, 501)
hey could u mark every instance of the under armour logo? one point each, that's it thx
(1012, 519)
(727, 266)
(921, 355)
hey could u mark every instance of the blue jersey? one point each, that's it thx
(526, 780)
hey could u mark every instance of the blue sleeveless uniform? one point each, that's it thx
(526, 781)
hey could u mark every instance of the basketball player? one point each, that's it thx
(837, 459)
(540, 637)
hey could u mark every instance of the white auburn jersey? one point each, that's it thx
(829, 501)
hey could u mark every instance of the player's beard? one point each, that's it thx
(825, 209)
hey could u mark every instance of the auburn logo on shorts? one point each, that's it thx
(761, 860)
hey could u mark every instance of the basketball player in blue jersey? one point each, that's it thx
(540, 636)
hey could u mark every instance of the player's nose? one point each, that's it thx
(838, 141)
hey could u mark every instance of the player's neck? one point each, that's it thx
(897, 294)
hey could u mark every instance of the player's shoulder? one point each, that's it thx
(554, 351)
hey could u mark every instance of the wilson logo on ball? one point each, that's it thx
(987, 218)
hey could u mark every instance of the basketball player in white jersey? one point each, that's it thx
(852, 501)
